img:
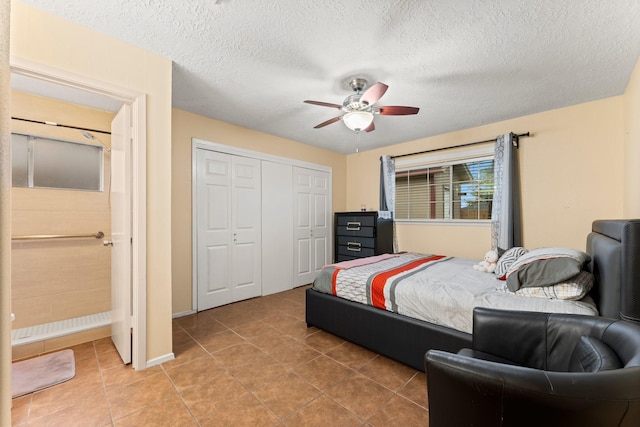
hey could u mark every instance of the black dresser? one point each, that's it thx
(361, 234)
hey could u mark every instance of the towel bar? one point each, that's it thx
(98, 235)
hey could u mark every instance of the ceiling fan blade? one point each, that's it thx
(328, 122)
(324, 104)
(370, 128)
(374, 93)
(397, 110)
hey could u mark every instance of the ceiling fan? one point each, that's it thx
(359, 109)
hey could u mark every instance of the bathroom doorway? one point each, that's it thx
(127, 240)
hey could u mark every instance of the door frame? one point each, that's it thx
(200, 144)
(137, 101)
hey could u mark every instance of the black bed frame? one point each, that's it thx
(614, 246)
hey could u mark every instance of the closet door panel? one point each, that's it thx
(311, 230)
(246, 226)
(277, 227)
(213, 229)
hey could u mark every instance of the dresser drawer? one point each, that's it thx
(354, 251)
(364, 242)
(356, 221)
(342, 230)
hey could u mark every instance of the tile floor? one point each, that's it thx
(252, 363)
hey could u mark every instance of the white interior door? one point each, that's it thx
(121, 232)
(228, 228)
(214, 229)
(246, 224)
(311, 226)
(321, 229)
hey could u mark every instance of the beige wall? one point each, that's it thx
(571, 172)
(632, 146)
(188, 125)
(59, 279)
(43, 38)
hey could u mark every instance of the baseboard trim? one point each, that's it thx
(161, 359)
(183, 313)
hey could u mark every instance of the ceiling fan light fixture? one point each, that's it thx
(358, 120)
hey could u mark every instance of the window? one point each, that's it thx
(53, 163)
(461, 190)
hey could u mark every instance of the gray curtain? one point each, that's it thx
(506, 217)
(388, 192)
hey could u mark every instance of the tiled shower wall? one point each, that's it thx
(59, 279)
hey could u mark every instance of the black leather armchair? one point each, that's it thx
(538, 369)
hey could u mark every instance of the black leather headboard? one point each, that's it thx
(614, 246)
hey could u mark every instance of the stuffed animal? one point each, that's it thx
(489, 263)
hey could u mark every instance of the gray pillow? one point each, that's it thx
(545, 267)
(592, 355)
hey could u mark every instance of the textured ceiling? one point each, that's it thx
(463, 63)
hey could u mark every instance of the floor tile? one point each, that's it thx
(109, 358)
(92, 411)
(387, 372)
(238, 355)
(170, 412)
(221, 340)
(259, 373)
(294, 354)
(130, 398)
(20, 409)
(400, 412)
(351, 355)
(360, 395)
(416, 390)
(323, 372)
(195, 371)
(186, 353)
(205, 398)
(244, 411)
(322, 341)
(121, 375)
(63, 395)
(321, 412)
(287, 394)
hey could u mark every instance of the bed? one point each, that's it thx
(613, 247)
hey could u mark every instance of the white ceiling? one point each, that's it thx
(463, 63)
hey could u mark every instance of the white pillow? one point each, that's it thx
(507, 259)
(573, 289)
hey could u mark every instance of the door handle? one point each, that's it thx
(107, 243)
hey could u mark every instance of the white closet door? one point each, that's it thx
(321, 229)
(277, 227)
(228, 228)
(246, 225)
(214, 252)
(311, 223)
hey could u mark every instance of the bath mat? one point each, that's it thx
(41, 372)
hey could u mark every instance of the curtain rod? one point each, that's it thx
(522, 135)
(59, 125)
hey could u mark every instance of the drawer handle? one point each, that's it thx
(353, 226)
(353, 246)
